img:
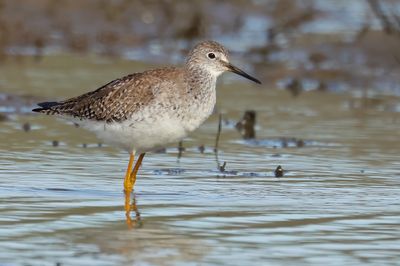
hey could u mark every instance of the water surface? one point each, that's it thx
(338, 202)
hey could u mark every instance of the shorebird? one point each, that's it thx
(145, 111)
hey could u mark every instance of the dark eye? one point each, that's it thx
(211, 55)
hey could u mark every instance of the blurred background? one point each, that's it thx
(323, 45)
(303, 171)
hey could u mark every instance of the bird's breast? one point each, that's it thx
(198, 109)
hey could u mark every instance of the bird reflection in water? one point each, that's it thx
(132, 213)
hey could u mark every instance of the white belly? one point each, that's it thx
(139, 136)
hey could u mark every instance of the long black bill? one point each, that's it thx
(240, 72)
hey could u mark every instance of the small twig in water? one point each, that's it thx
(220, 167)
(218, 134)
(181, 149)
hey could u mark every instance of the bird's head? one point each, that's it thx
(213, 57)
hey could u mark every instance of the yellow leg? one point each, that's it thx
(128, 186)
(130, 180)
(136, 169)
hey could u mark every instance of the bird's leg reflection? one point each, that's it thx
(129, 207)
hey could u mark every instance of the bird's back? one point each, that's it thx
(118, 99)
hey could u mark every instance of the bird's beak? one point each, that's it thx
(240, 72)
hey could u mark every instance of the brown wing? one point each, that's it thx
(115, 101)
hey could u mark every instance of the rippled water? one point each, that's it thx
(338, 202)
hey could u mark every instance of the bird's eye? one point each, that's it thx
(211, 55)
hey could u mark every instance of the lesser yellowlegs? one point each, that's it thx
(145, 111)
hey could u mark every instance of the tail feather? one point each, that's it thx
(47, 108)
(48, 104)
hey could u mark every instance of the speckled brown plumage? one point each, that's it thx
(115, 101)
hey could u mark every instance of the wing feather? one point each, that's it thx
(115, 101)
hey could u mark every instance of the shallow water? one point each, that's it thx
(338, 202)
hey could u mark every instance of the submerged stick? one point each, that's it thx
(220, 167)
(218, 134)
(180, 149)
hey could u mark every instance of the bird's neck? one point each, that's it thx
(201, 96)
(199, 80)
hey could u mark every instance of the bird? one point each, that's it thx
(142, 112)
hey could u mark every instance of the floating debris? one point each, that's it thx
(99, 144)
(55, 143)
(246, 125)
(300, 143)
(3, 117)
(201, 148)
(278, 171)
(222, 167)
(39, 44)
(322, 86)
(230, 173)
(295, 87)
(317, 59)
(84, 145)
(26, 127)
(284, 143)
